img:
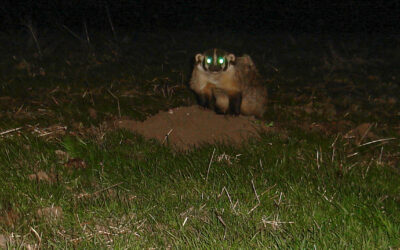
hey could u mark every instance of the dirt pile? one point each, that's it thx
(184, 127)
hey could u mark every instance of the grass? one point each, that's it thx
(301, 189)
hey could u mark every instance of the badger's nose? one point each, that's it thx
(214, 68)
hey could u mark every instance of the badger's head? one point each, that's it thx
(215, 60)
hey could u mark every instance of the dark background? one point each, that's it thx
(275, 16)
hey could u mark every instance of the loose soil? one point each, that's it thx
(186, 127)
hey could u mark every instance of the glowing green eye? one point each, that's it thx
(208, 60)
(221, 60)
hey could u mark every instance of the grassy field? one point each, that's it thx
(330, 179)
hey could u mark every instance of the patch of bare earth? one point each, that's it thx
(187, 127)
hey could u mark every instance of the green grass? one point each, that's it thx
(299, 189)
(300, 205)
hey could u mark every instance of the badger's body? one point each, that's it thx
(231, 85)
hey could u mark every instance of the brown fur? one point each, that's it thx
(221, 100)
(242, 79)
(254, 94)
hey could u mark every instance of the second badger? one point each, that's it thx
(230, 84)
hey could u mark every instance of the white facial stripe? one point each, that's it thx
(215, 56)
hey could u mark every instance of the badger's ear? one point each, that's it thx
(231, 58)
(199, 58)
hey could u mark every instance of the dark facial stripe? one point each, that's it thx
(203, 63)
(225, 65)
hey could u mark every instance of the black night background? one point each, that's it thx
(104, 143)
(267, 16)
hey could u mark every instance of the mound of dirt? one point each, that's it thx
(185, 127)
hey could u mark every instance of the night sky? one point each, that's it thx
(274, 16)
